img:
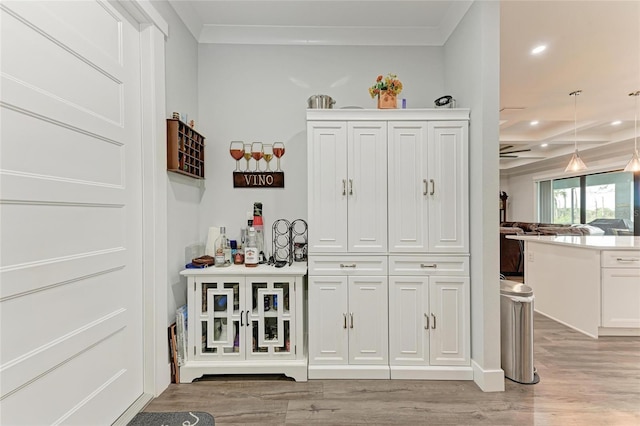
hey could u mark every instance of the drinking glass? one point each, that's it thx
(256, 153)
(267, 151)
(278, 151)
(247, 154)
(236, 149)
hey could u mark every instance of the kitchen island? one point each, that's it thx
(589, 283)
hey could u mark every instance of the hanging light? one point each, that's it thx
(575, 164)
(634, 163)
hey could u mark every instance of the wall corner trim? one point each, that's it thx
(145, 13)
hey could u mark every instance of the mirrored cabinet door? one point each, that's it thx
(218, 327)
(270, 318)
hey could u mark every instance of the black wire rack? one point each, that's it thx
(289, 240)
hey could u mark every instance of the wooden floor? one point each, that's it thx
(584, 381)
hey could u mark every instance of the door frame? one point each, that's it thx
(156, 368)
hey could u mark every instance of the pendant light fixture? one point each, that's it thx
(575, 164)
(634, 163)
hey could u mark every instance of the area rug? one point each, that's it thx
(186, 418)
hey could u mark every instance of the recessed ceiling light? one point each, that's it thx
(539, 49)
(616, 123)
(544, 145)
(534, 122)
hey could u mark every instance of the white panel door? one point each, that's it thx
(71, 215)
(367, 187)
(328, 184)
(408, 187)
(368, 321)
(449, 187)
(409, 320)
(450, 329)
(328, 320)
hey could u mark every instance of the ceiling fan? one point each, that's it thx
(505, 153)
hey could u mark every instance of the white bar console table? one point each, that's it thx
(245, 321)
(589, 283)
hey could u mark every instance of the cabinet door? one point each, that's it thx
(328, 180)
(367, 187)
(621, 297)
(408, 187)
(409, 320)
(216, 325)
(450, 336)
(368, 320)
(448, 187)
(328, 332)
(269, 322)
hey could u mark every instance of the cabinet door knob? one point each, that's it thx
(353, 265)
(426, 318)
(344, 187)
(426, 189)
(350, 186)
(433, 187)
(247, 318)
(433, 323)
(344, 317)
(241, 313)
(351, 317)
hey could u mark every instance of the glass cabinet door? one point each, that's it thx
(270, 318)
(218, 325)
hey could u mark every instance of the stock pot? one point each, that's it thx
(320, 101)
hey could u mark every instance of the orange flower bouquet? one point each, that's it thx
(390, 83)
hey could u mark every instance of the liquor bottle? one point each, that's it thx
(259, 227)
(251, 250)
(223, 250)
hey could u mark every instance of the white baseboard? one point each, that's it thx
(488, 380)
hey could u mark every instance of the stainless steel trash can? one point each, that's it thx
(516, 330)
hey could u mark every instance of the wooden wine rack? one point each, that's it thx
(185, 149)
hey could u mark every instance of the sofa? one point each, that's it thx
(512, 251)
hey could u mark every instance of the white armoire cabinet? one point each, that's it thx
(428, 187)
(350, 189)
(348, 318)
(389, 186)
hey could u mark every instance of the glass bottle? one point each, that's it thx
(251, 249)
(223, 249)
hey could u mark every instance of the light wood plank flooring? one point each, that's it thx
(584, 381)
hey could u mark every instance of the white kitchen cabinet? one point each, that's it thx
(348, 177)
(406, 209)
(429, 318)
(620, 289)
(428, 187)
(245, 320)
(348, 327)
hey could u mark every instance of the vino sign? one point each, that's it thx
(258, 179)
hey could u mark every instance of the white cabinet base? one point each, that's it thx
(296, 369)
(610, 331)
(405, 372)
(349, 372)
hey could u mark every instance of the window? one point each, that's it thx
(604, 199)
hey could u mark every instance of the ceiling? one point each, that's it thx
(592, 46)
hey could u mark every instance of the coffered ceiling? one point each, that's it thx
(593, 46)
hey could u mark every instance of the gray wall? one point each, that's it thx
(259, 93)
(472, 65)
(183, 193)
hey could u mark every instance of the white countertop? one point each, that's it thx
(296, 268)
(600, 242)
